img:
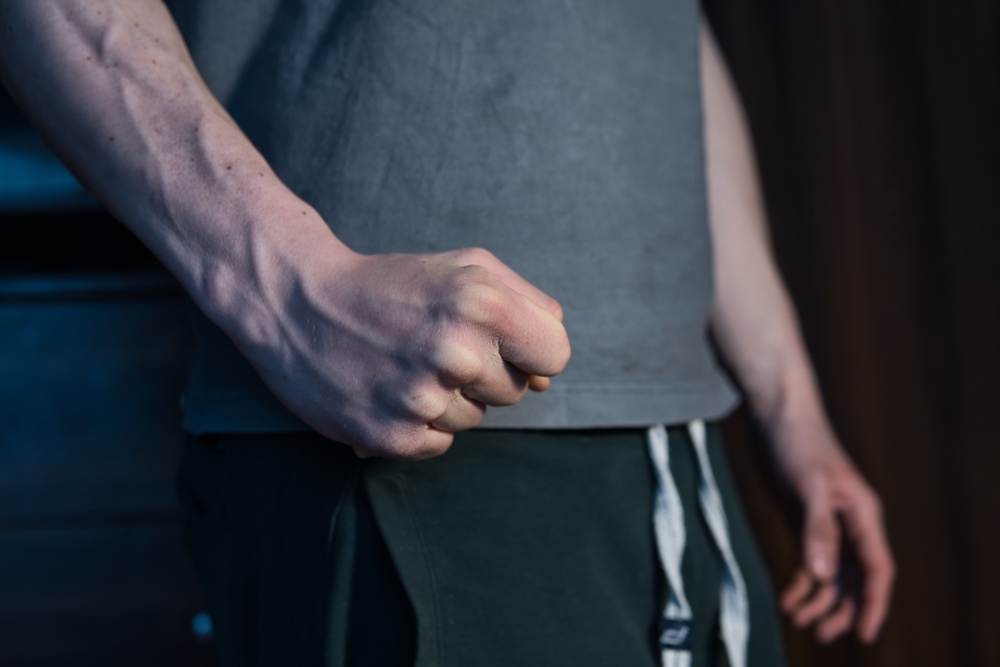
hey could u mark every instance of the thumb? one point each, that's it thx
(821, 540)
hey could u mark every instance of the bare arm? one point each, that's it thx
(390, 354)
(755, 325)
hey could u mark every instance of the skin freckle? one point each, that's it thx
(303, 212)
(153, 61)
(229, 167)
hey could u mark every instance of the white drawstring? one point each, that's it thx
(668, 524)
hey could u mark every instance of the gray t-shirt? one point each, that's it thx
(565, 136)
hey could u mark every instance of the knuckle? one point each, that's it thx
(425, 403)
(457, 362)
(477, 256)
(475, 273)
(480, 302)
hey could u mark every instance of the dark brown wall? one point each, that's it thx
(878, 132)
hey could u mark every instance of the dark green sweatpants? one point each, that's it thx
(515, 548)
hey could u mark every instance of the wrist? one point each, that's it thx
(250, 277)
(797, 426)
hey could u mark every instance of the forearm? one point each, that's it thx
(112, 89)
(390, 354)
(753, 319)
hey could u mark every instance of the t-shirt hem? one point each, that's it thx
(561, 407)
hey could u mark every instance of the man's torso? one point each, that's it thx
(564, 137)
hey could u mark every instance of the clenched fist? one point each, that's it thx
(392, 354)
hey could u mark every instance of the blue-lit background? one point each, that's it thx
(93, 351)
(32, 179)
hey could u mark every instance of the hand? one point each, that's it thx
(847, 576)
(392, 354)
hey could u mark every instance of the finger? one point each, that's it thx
(819, 605)
(407, 442)
(522, 286)
(821, 537)
(875, 596)
(526, 335)
(480, 375)
(866, 530)
(499, 384)
(447, 411)
(837, 623)
(797, 592)
(436, 442)
(538, 383)
(461, 415)
(489, 261)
